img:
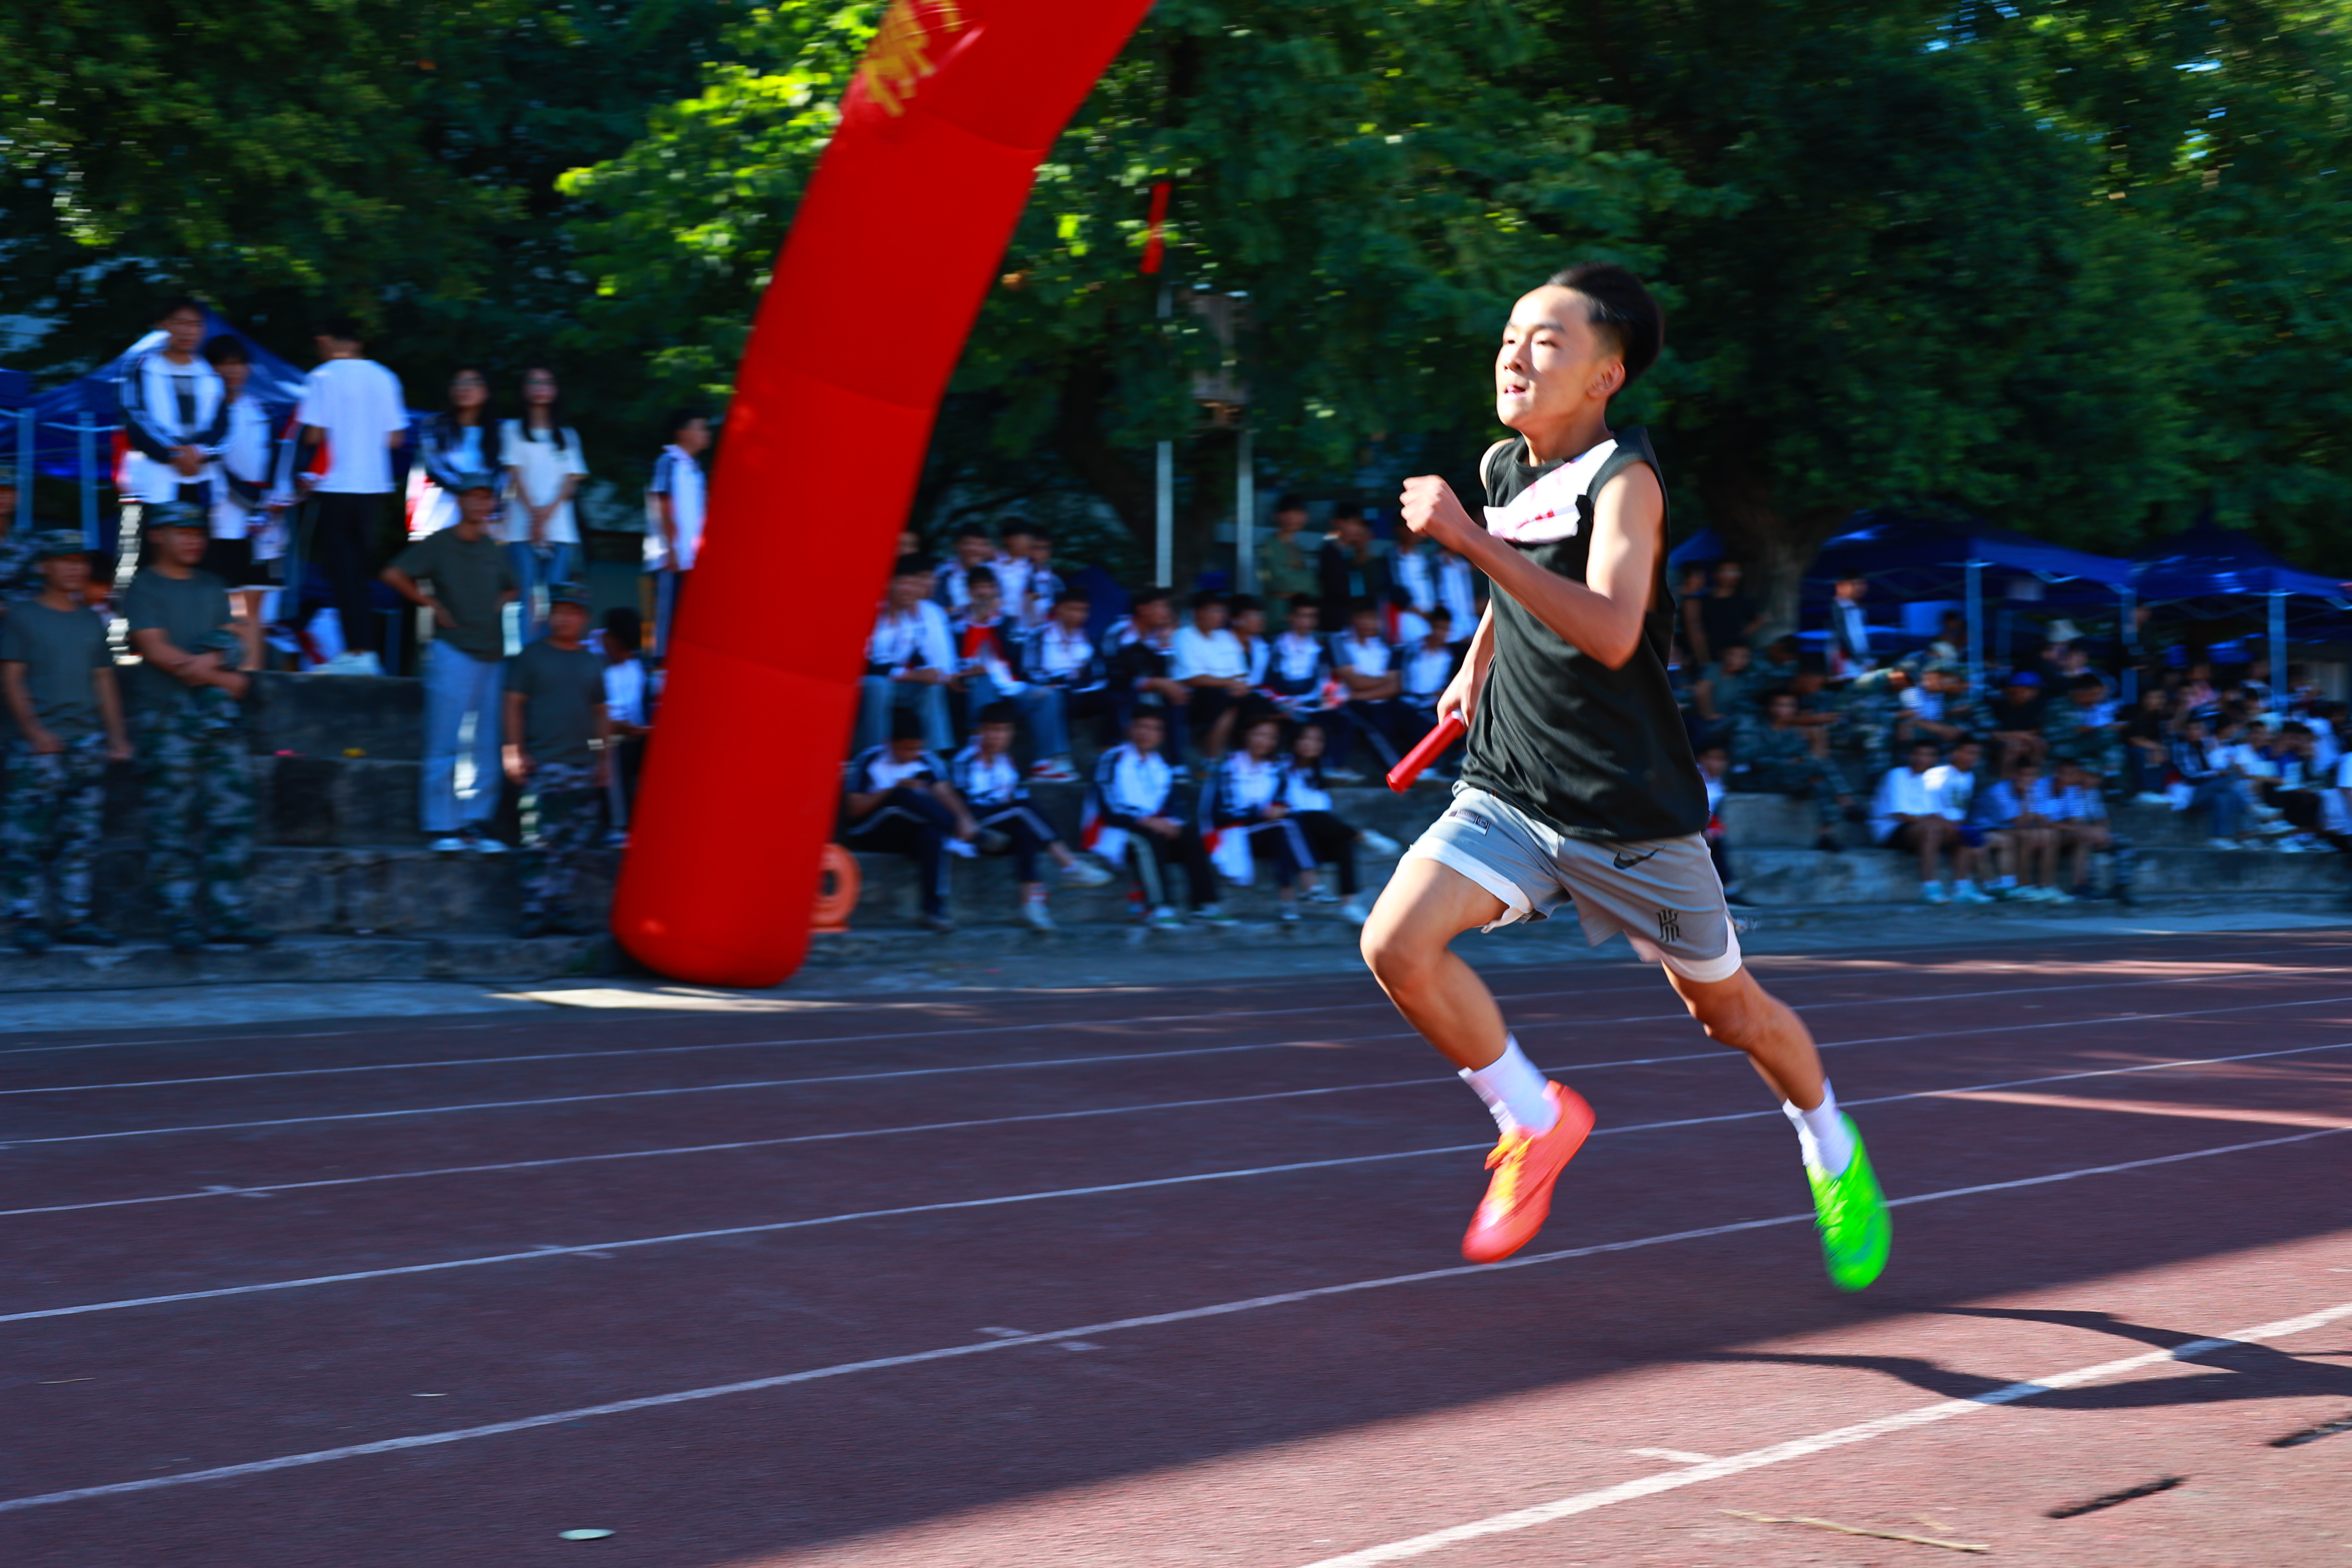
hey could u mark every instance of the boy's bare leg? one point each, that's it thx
(1425, 907)
(1744, 1015)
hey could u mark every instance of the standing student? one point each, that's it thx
(556, 738)
(175, 412)
(462, 440)
(1288, 558)
(544, 469)
(674, 509)
(473, 581)
(246, 501)
(59, 679)
(628, 703)
(989, 782)
(353, 406)
(1579, 782)
(196, 740)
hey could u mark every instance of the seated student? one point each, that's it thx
(1207, 656)
(908, 662)
(1365, 667)
(1953, 787)
(1298, 674)
(989, 781)
(1424, 669)
(2016, 719)
(1141, 654)
(1058, 661)
(2081, 815)
(1728, 690)
(2019, 807)
(987, 668)
(1904, 816)
(58, 677)
(2206, 766)
(1247, 618)
(628, 704)
(898, 801)
(972, 550)
(1774, 754)
(557, 732)
(1331, 840)
(1135, 815)
(1244, 805)
(1715, 772)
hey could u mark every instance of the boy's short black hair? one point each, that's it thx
(909, 566)
(905, 724)
(1304, 602)
(1347, 511)
(625, 624)
(994, 713)
(1623, 311)
(1144, 596)
(1206, 597)
(1358, 606)
(226, 347)
(177, 303)
(980, 574)
(677, 419)
(1290, 503)
(342, 328)
(971, 530)
(1439, 613)
(2086, 681)
(1241, 604)
(1071, 596)
(1012, 525)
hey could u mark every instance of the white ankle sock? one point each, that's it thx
(1513, 1090)
(1822, 1137)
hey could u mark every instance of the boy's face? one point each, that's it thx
(1309, 744)
(567, 622)
(67, 573)
(2027, 777)
(1783, 709)
(1303, 620)
(1966, 757)
(1736, 657)
(1020, 545)
(906, 749)
(987, 598)
(1209, 617)
(1714, 761)
(1441, 628)
(1072, 615)
(1041, 552)
(1922, 758)
(1365, 623)
(974, 550)
(693, 437)
(1153, 618)
(234, 375)
(905, 591)
(181, 546)
(2088, 697)
(185, 329)
(1291, 520)
(995, 739)
(1551, 363)
(1144, 735)
(1250, 623)
(477, 504)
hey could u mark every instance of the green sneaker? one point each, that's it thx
(1857, 1228)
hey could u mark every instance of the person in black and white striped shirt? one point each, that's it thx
(988, 780)
(898, 801)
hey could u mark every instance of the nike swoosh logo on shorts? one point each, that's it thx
(1626, 862)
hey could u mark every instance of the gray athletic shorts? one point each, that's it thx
(1663, 893)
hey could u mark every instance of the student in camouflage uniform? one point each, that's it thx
(2073, 728)
(557, 730)
(191, 697)
(20, 549)
(1871, 703)
(58, 677)
(1773, 755)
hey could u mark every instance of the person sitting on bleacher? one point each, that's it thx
(1136, 814)
(989, 781)
(900, 802)
(1251, 820)
(1329, 839)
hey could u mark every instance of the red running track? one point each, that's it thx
(1169, 1277)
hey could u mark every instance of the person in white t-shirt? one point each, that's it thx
(1952, 785)
(1208, 657)
(1907, 817)
(674, 512)
(544, 467)
(1365, 665)
(354, 406)
(247, 500)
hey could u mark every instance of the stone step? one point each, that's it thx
(1812, 877)
(1779, 822)
(311, 960)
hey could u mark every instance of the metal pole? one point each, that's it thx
(2131, 644)
(1245, 512)
(1976, 626)
(1163, 557)
(87, 464)
(27, 437)
(2278, 653)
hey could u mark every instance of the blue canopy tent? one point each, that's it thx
(59, 432)
(2209, 570)
(1924, 558)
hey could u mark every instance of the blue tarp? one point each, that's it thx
(2209, 561)
(91, 400)
(1919, 558)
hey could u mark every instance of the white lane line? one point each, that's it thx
(10, 1142)
(1804, 1447)
(1225, 1308)
(224, 1190)
(595, 1249)
(535, 1057)
(1672, 1456)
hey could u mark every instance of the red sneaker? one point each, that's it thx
(1519, 1199)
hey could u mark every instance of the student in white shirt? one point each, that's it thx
(908, 662)
(1210, 659)
(1364, 663)
(460, 439)
(628, 706)
(1058, 660)
(972, 548)
(247, 497)
(2019, 807)
(354, 406)
(898, 801)
(1330, 839)
(1249, 819)
(1029, 589)
(1248, 623)
(988, 778)
(1431, 576)
(2081, 818)
(1134, 807)
(1952, 785)
(1906, 816)
(544, 467)
(674, 512)
(175, 412)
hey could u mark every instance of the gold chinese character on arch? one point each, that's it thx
(899, 56)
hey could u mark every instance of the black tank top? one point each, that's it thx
(1594, 752)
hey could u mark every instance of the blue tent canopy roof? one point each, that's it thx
(2209, 561)
(1922, 558)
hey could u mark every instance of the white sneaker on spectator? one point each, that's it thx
(1932, 894)
(1053, 770)
(2149, 797)
(964, 847)
(1342, 777)
(1966, 891)
(1321, 895)
(2222, 844)
(1290, 914)
(1379, 843)
(2056, 896)
(480, 843)
(2031, 894)
(1354, 913)
(1084, 874)
(448, 846)
(1035, 915)
(1165, 918)
(1213, 915)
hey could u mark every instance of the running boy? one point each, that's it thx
(1578, 779)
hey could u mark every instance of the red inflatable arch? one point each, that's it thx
(895, 245)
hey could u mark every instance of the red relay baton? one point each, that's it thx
(1401, 776)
